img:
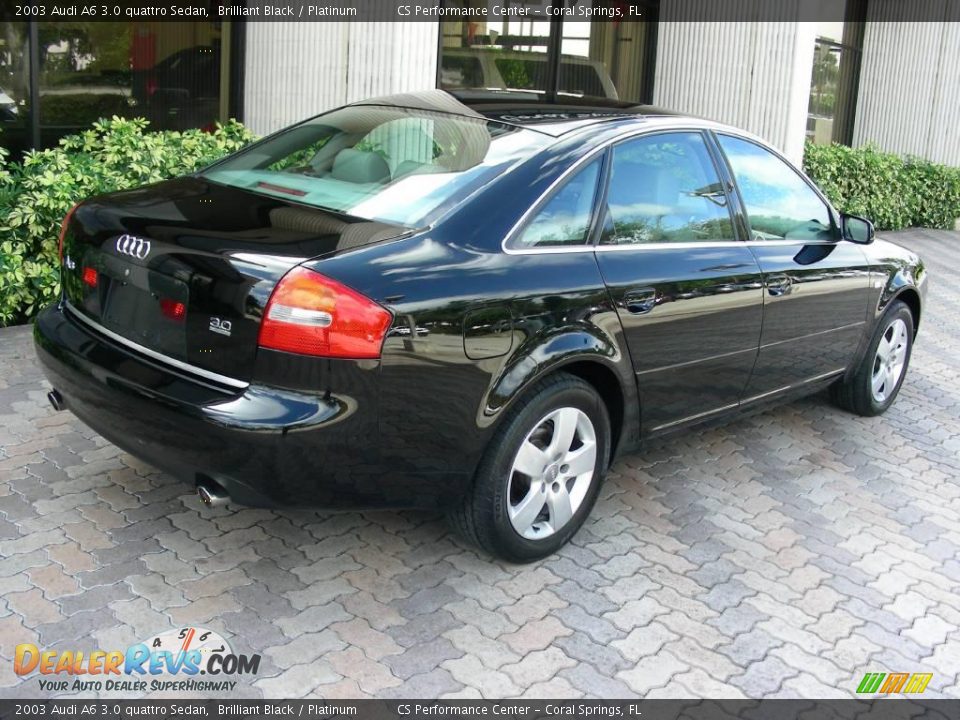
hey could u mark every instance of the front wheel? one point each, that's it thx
(876, 382)
(541, 473)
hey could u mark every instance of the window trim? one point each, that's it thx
(831, 211)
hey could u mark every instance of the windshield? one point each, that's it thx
(394, 165)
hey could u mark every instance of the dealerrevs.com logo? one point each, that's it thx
(170, 661)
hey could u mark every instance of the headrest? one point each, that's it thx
(359, 166)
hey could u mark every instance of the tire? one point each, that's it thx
(500, 513)
(875, 383)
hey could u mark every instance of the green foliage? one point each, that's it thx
(893, 192)
(36, 194)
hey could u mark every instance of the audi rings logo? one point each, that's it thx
(133, 246)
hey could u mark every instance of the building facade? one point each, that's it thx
(874, 73)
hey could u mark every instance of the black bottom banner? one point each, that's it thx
(319, 709)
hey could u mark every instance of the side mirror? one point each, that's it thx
(857, 229)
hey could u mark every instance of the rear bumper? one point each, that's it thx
(265, 445)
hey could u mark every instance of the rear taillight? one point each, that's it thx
(90, 276)
(63, 230)
(310, 314)
(173, 309)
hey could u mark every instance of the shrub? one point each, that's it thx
(35, 195)
(892, 191)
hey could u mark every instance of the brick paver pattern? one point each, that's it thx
(782, 555)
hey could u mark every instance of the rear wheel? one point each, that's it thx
(541, 473)
(876, 382)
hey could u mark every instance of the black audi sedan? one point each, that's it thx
(419, 301)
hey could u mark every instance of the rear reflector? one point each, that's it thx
(173, 309)
(90, 276)
(311, 314)
(63, 230)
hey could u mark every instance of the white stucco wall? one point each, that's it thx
(754, 75)
(909, 97)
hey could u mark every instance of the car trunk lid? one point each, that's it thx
(184, 268)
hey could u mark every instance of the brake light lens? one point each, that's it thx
(63, 229)
(90, 276)
(311, 314)
(173, 309)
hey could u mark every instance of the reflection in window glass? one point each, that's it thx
(779, 203)
(597, 58)
(521, 71)
(605, 59)
(823, 92)
(835, 75)
(565, 219)
(493, 54)
(665, 188)
(14, 87)
(388, 164)
(168, 73)
(460, 70)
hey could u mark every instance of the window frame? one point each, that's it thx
(831, 211)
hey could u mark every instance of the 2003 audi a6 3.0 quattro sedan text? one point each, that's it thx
(421, 301)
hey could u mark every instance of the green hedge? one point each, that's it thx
(35, 195)
(893, 192)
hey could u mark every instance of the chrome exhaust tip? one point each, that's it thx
(212, 494)
(56, 400)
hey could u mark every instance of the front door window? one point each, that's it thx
(779, 203)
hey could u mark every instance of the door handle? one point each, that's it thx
(639, 302)
(779, 285)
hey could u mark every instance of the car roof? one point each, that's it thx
(553, 117)
(526, 108)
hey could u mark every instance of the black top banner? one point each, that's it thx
(477, 11)
(320, 709)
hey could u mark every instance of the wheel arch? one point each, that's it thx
(608, 387)
(911, 298)
(591, 356)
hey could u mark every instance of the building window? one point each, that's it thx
(14, 85)
(836, 75)
(554, 59)
(172, 73)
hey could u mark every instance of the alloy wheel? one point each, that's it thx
(890, 360)
(551, 474)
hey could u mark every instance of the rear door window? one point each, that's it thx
(565, 218)
(664, 188)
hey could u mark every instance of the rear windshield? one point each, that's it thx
(394, 165)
